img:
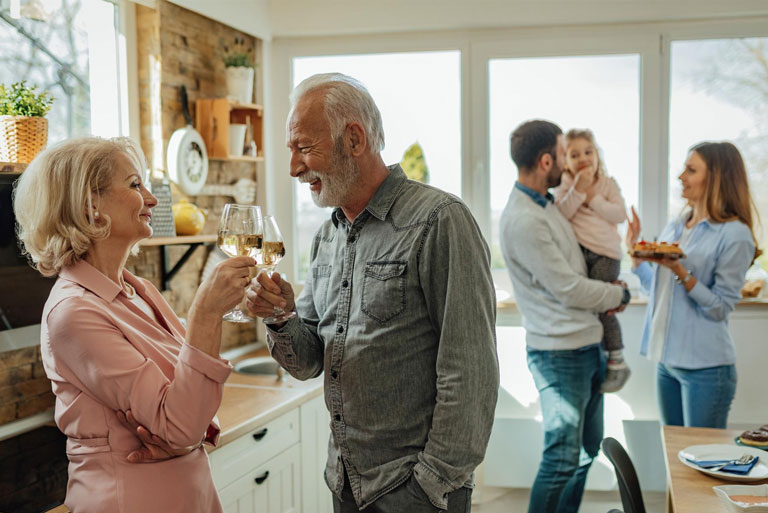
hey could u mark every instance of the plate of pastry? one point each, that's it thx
(647, 249)
(757, 438)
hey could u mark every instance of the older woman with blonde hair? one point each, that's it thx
(686, 323)
(111, 346)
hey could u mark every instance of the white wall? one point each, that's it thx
(301, 18)
(251, 16)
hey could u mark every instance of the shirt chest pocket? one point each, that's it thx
(384, 290)
(321, 277)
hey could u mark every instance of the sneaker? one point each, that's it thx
(616, 375)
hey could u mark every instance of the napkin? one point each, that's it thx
(732, 468)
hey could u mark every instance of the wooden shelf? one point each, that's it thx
(12, 168)
(241, 158)
(213, 117)
(245, 106)
(182, 239)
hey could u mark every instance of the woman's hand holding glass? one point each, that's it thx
(223, 289)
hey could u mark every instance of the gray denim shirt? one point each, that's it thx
(399, 310)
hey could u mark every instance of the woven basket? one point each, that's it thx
(22, 137)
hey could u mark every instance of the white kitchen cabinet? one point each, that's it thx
(274, 487)
(315, 431)
(277, 467)
(254, 448)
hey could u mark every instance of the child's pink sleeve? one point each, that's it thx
(610, 206)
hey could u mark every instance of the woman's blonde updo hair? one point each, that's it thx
(53, 199)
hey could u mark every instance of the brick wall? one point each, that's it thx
(175, 47)
(24, 389)
(179, 47)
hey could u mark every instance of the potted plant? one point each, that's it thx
(239, 62)
(23, 127)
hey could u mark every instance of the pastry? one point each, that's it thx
(755, 438)
(752, 289)
(646, 249)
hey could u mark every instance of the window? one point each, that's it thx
(419, 96)
(719, 91)
(70, 49)
(596, 92)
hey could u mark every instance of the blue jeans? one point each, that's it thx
(572, 409)
(695, 397)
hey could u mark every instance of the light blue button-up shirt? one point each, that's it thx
(718, 256)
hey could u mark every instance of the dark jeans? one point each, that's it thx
(604, 268)
(406, 498)
(572, 410)
(695, 397)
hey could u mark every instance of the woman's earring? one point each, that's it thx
(95, 213)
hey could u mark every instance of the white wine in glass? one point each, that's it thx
(273, 250)
(240, 234)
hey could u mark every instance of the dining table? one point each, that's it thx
(688, 490)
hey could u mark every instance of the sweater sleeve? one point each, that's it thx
(540, 254)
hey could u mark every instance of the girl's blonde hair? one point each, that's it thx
(587, 135)
(53, 199)
(727, 190)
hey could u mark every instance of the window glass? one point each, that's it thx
(719, 92)
(68, 48)
(596, 92)
(419, 96)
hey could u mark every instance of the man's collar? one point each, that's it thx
(535, 195)
(384, 197)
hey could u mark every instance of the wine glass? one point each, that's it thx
(273, 250)
(240, 232)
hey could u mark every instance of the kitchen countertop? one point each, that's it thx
(253, 400)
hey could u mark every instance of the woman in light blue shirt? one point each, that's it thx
(686, 322)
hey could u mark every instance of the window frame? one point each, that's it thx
(650, 40)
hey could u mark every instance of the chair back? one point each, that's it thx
(629, 486)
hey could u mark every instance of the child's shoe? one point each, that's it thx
(616, 375)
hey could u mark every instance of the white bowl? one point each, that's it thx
(724, 493)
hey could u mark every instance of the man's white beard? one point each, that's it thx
(336, 187)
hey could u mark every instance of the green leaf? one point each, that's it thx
(21, 100)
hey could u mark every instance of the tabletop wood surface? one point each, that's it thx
(688, 490)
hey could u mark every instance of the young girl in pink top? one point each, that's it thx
(592, 202)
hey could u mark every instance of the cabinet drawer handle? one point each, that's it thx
(260, 434)
(262, 478)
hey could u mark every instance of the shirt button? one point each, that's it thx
(334, 374)
(337, 417)
(340, 329)
(345, 284)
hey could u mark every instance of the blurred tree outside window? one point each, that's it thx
(69, 48)
(719, 92)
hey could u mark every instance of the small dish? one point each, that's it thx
(725, 492)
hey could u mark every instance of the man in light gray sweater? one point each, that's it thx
(559, 305)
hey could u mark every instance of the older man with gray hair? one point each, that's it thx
(398, 310)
